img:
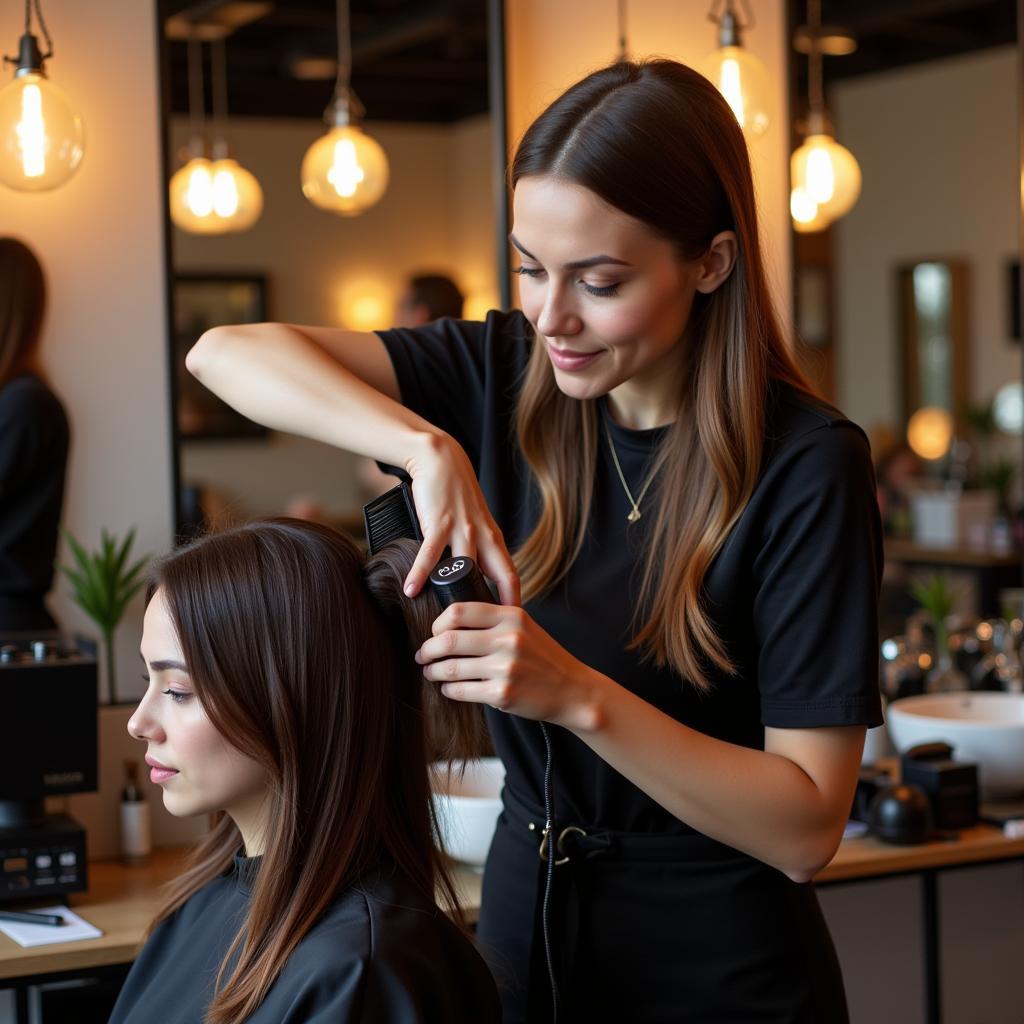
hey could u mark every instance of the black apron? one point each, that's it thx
(649, 928)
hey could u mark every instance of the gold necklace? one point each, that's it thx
(634, 515)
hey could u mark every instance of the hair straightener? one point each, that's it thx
(458, 578)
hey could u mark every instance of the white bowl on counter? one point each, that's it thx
(467, 802)
(986, 729)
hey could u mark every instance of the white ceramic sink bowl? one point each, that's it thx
(467, 805)
(984, 728)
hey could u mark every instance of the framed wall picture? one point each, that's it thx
(202, 301)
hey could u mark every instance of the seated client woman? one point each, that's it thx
(283, 693)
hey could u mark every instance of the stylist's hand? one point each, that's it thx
(452, 511)
(492, 654)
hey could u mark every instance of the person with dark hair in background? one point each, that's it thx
(283, 692)
(34, 440)
(428, 297)
(695, 541)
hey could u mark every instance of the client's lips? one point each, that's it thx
(566, 359)
(159, 772)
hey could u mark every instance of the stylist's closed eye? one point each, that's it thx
(601, 290)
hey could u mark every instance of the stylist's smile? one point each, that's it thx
(159, 772)
(566, 359)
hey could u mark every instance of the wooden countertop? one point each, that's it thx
(121, 900)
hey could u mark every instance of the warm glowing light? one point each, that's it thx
(41, 137)
(215, 197)
(344, 171)
(746, 85)
(366, 306)
(478, 304)
(930, 432)
(829, 175)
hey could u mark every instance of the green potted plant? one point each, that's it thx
(935, 595)
(102, 584)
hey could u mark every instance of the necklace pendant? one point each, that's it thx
(634, 515)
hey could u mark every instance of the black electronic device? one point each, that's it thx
(48, 747)
(951, 786)
(42, 859)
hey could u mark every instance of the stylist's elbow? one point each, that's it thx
(814, 855)
(205, 350)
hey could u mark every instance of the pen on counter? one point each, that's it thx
(28, 917)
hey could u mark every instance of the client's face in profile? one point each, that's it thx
(198, 770)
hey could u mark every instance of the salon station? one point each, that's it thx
(180, 165)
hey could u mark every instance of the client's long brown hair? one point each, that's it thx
(301, 655)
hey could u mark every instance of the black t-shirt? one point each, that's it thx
(793, 591)
(380, 954)
(34, 441)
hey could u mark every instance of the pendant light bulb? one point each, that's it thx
(344, 171)
(42, 140)
(828, 173)
(739, 76)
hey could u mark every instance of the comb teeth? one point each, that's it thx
(389, 517)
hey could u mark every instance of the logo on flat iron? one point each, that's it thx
(453, 567)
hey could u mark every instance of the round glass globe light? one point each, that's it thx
(344, 171)
(41, 136)
(828, 173)
(214, 197)
(746, 85)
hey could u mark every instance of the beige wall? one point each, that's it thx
(100, 238)
(937, 145)
(436, 216)
(552, 45)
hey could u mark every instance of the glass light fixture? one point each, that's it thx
(825, 177)
(212, 196)
(41, 135)
(344, 171)
(737, 74)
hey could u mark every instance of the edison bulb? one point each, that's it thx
(828, 173)
(41, 136)
(746, 85)
(344, 171)
(214, 197)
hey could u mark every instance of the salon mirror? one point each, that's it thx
(427, 75)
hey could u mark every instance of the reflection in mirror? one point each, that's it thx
(421, 71)
(933, 337)
(917, 293)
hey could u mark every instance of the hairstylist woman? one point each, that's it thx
(696, 538)
(282, 691)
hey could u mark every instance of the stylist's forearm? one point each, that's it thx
(275, 376)
(758, 802)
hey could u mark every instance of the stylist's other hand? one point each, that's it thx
(492, 654)
(453, 512)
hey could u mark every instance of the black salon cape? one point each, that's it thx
(381, 955)
(34, 438)
(653, 921)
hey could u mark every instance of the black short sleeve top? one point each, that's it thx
(793, 591)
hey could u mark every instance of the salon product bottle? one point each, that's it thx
(136, 835)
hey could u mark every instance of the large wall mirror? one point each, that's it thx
(259, 75)
(906, 301)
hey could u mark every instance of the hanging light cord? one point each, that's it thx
(196, 100)
(218, 69)
(623, 46)
(815, 89)
(28, 31)
(344, 47)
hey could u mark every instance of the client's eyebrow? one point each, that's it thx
(590, 261)
(163, 666)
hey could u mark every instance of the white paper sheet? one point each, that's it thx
(73, 929)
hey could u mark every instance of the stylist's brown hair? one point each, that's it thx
(302, 656)
(22, 304)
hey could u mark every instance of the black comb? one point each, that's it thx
(391, 516)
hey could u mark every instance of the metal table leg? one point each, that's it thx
(932, 979)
